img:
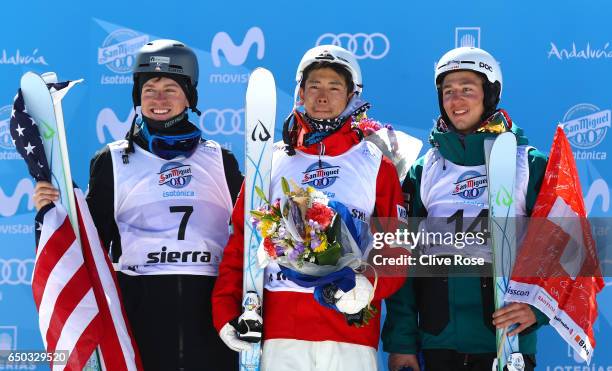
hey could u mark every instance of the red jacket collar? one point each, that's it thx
(334, 145)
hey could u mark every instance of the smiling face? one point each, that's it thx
(463, 100)
(325, 94)
(162, 98)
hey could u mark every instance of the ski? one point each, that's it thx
(45, 107)
(501, 177)
(260, 113)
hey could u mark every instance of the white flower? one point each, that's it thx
(317, 196)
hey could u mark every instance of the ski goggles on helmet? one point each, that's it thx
(171, 146)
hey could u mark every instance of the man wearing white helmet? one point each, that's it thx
(161, 201)
(452, 319)
(299, 332)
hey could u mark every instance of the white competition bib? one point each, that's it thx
(349, 178)
(172, 215)
(451, 192)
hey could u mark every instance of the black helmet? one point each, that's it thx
(167, 57)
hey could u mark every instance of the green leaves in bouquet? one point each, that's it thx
(275, 214)
(258, 214)
(261, 194)
(285, 186)
(334, 229)
(331, 255)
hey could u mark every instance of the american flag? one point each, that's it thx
(74, 285)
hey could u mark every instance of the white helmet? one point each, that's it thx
(472, 59)
(332, 54)
(476, 60)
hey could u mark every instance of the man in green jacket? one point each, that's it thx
(452, 319)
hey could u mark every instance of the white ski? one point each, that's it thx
(501, 174)
(45, 107)
(260, 112)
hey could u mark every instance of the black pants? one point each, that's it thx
(171, 319)
(449, 360)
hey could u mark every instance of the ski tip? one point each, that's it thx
(507, 136)
(261, 73)
(28, 77)
(49, 77)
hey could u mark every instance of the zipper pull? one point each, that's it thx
(321, 153)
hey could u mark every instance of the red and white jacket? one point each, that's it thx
(292, 314)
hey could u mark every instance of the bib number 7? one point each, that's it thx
(188, 210)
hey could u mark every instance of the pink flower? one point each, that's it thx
(320, 214)
(368, 126)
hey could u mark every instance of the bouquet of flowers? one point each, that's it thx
(304, 232)
(314, 241)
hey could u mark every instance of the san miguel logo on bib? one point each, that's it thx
(470, 185)
(321, 175)
(175, 175)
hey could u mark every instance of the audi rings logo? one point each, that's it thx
(226, 121)
(375, 45)
(16, 272)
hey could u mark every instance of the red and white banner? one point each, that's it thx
(557, 270)
(75, 291)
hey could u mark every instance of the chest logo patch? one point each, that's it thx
(470, 185)
(175, 175)
(321, 175)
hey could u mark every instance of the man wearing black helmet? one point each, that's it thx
(161, 201)
(451, 319)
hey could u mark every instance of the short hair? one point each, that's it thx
(338, 68)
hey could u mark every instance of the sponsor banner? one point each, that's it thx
(108, 122)
(580, 51)
(16, 271)
(229, 69)
(567, 328)
(7, 148)
(118, 54)
(586, 126)
(226, 121)
(9, 203)
(19, 58)
(234, 54)
(467, 36)
(362, 45)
